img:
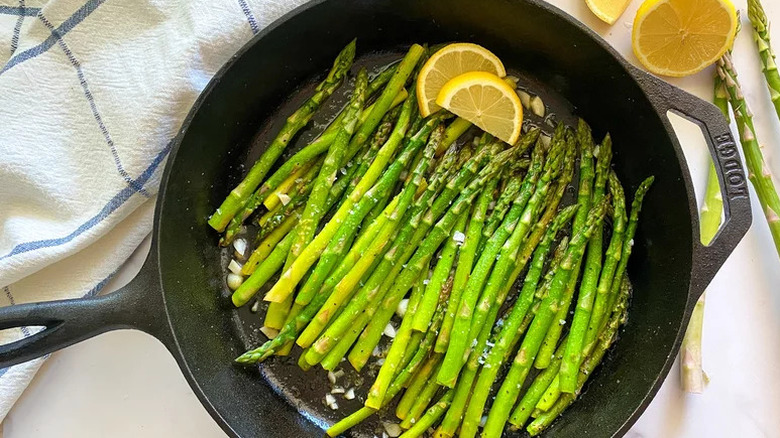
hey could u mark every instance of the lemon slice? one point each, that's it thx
(608, 11)
(682, 37)
(485, 100)
(450, 61)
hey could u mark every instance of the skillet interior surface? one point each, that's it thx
(246, 105)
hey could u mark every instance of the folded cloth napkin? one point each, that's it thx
(91, 94)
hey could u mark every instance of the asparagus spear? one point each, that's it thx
(422, 401)
(553, 335)
(315, 206)
(372, 332)
(368, 301)
(464, 385)
(607, 337)
(758, 171)
(510, 331)
(761, 35)
(417, 385)
(269, 243)
(457, 128)
(466, 256)
(293, 328)
(265, 270)
(502, 206)
(519, 216)
(611, 260)
(346, 232)
(346, 285)
(292, 276)
(421, 257)
(431, 416)
(423, 315)
(691, 373)
(398, 383)
(397, 82)
(238, 197)
(510, 388)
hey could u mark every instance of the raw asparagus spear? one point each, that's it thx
(691, 372)
(758, 171)
(761, 35)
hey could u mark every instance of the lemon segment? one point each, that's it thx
(682, 37)
(608, 11)
(448, 62)
(485, 100)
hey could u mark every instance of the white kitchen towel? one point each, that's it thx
(91, 94)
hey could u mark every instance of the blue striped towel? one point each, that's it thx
(91, 94)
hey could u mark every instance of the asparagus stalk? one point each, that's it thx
(348, 229)
(691, 372)
(546, 352)
(416, 385)
(346, 285)
(292, 276)
(519, 216)
(268, 244)
(365, 295)
(628, 243)
(510, 388)
(502, 206)
(403, 248)
(315, 206)
(397, 82)
(611, 260)
(510, 331)
(398, 383)
(430, 418)
(421, 257)
(457, 128)
(422, 401)
(373, 331)
(464, 386)
(265, 271)
(758, 171)
(761, 35)
(300, 118)
(606, 339)
(466, 256)
(422, 318)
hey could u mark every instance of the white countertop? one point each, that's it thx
(125, 384)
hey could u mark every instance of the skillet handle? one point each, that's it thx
(138, 305)
(708, 259)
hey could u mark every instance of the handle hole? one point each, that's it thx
(13, 334)
(694, 145)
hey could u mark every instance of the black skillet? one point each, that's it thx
(176, 295)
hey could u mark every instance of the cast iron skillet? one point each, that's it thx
(176, 295)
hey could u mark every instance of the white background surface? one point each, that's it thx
(125, 384)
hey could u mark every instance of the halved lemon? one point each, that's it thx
(485, 100)
(682, 37)
(450, 61)
(608, 11)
